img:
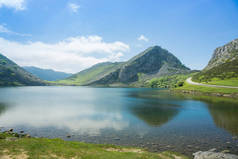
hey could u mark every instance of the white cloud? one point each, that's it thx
(143, 38)
(17, 4)
(3, 29)
(74, 7)
(70, 55)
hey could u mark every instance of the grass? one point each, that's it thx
(171, 81)
(38, 148)
(226, 82)
(223, 72)
(89, 75)
(205, 89)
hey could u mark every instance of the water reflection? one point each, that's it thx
(85, 111)
(155, 114)
(155, 109)
(224, 112)
(86, 120)
(3, 108)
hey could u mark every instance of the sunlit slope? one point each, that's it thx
(92, 74)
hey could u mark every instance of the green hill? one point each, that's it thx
(153, 62)
(222, 69)
(91, 74)
(13, 75)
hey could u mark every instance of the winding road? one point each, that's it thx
(189, 80)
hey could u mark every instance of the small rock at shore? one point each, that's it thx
(21, 132)
(68, 136)
(211, 154)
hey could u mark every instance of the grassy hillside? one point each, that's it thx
(22, 148)
(13, 75)
(92, 74)
(224, 74)
(207, 90)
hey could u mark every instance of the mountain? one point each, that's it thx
(153, 62)
(13, 75)
(47, 74)
(223, 64)
(224, 54)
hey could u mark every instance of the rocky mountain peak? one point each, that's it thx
(226, 53)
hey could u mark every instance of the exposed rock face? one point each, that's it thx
(226, 53)
(153, 61)
(211, 154)
(148, 62)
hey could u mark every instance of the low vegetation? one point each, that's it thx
(42, 148)
(173, 81)
(205, 89)
(224, 74)
(226, 82)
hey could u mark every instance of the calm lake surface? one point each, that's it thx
(151, 118)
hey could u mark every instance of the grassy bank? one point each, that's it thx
(13, 146)
(227, 82)
(205, 89)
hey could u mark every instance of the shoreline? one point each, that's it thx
(200, 93)
(20, 145)
(23, 146)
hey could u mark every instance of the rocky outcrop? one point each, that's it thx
(226, 53)
(211, 154)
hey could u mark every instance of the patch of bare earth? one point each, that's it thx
(50, 155)
(7, 155)
(164, 156)
(125, 150)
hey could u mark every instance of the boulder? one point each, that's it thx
(211, 154)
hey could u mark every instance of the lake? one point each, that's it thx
(150, 118)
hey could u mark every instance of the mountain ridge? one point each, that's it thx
(154, 61)
(47, 74)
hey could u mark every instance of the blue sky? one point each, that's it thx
(70, 35)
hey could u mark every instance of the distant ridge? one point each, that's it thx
(47, 74)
